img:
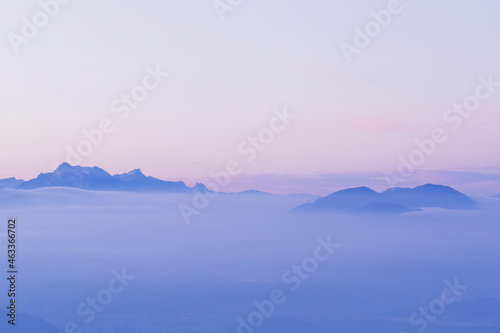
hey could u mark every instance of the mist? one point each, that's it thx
(206, 276)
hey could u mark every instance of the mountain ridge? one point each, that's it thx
(10, 182)
(95, 178)
(358, 199)
(393, 200)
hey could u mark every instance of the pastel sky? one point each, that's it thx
(226, 78)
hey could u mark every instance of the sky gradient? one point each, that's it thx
(226, 78)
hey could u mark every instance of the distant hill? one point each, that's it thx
(253, 192)
(94, 178)
(391, 201)
(430, 196)
(344, 200)
(10, 182)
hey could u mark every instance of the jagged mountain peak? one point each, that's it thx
(66, 168)
(95, 178)
(136, 173)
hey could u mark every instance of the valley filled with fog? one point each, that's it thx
(432, 270)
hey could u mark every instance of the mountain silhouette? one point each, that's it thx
(391, 201)
(94, 178)
(10, 182)
(348, 199)
(359, 199)
(430, 196)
